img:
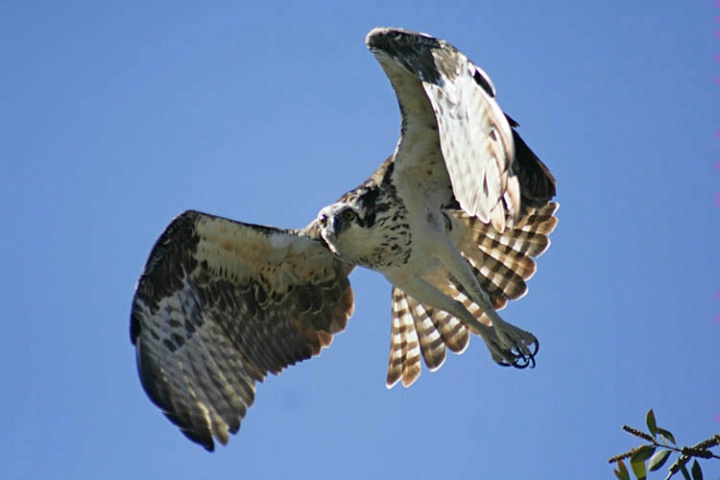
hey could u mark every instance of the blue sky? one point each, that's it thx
(116, 117)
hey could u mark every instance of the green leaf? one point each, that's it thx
(638, 469)
(685, 473)
(642, 454)
(666, 434)
(650, 420)
(696, 471)
(637, 461)
(622, 472)
(658, 460)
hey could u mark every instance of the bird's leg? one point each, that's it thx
(512, 340)
(426, 293)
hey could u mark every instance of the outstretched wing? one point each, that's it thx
(219, 305)
(455, 141)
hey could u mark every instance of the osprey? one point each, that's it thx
(452, 219)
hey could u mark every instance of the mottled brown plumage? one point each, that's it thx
(219, 305)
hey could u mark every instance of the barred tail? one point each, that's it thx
(420, 330)
(502, 263)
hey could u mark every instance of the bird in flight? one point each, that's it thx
(453, 219)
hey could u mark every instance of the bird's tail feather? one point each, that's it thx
(417, 330)
(502, 263)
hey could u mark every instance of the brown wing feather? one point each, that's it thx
(219, 305)
(503, 262)
(454, 132)
(456, 143)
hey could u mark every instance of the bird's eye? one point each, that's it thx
(348, 214)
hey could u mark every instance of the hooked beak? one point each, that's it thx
(330, 223)
(327, 223)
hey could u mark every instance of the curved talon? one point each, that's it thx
(524, 361)
(519, 359)
(531, 349)
(512, 348)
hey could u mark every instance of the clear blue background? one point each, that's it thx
(116, 117)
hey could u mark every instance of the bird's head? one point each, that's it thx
(343, 225)
(358, 230)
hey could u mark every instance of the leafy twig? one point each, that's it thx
(657, 451)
